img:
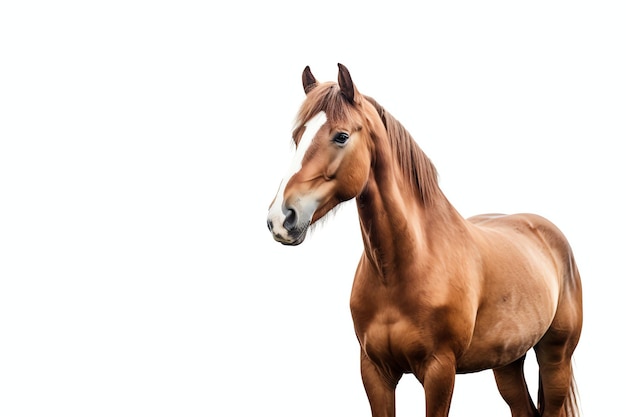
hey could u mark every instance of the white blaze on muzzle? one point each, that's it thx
(304, 207)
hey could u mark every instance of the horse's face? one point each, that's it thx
(332, 160)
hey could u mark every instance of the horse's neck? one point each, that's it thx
(398, 227)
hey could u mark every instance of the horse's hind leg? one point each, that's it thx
(512, 386)
(557, 394)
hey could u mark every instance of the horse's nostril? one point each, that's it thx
(270, 225)
(290, 220)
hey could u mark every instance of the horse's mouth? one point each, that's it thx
(294, 237)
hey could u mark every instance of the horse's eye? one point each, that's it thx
(341, 138)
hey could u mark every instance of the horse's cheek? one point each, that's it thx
(358, 174)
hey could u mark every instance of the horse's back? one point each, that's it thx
(535, 237)
(527, 229)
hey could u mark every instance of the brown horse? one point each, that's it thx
(434, 294)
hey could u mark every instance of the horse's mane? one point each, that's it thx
(415, 165)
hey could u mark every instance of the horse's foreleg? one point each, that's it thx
(437, 376)
(380, 386)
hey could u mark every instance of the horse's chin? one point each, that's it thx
(294, 242)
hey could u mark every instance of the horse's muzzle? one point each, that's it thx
(286, 227)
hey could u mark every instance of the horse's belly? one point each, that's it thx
(494, 355)
(500, 341)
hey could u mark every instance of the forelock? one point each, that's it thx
(326, 97)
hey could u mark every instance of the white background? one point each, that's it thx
(142, 142)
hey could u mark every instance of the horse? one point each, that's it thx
(434, 294)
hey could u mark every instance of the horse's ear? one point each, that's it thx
(308, 80)
(345, 83)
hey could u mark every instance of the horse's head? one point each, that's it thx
(332, 160)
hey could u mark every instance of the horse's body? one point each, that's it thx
(434, 294)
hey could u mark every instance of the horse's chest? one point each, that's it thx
(390, 338)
